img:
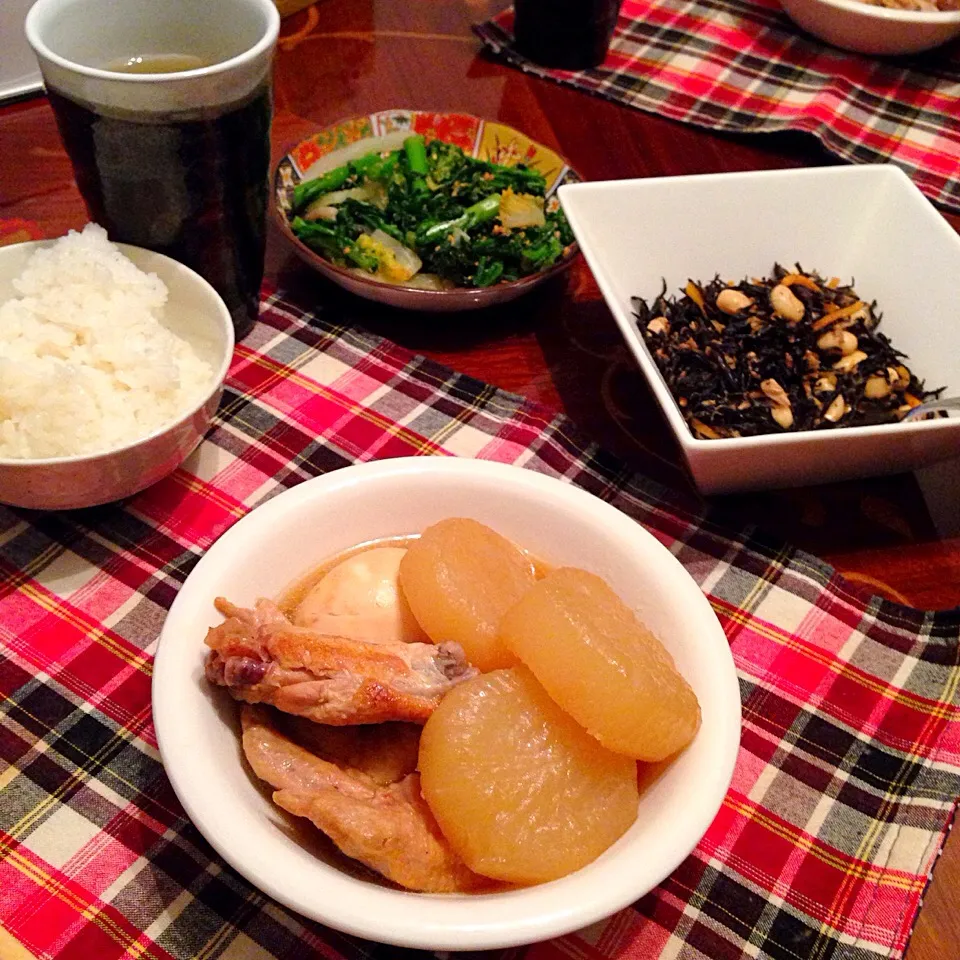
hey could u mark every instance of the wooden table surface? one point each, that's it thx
(897, 536)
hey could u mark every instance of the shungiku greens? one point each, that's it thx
(429, 215)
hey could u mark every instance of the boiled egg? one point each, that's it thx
(360, 598)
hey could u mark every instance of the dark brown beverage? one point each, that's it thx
(569, 34)
(192, 187)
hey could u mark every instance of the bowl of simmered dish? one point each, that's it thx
(782, 319)
(446, 704)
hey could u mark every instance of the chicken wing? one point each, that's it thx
(261, 657)
(388, 828)
(385, 752)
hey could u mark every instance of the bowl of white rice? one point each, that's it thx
(112, 361)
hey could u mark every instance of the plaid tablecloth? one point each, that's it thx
(743, 66)
(846, 780)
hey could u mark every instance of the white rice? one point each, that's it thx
(85, 363)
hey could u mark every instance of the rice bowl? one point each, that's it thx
(196, 315)
(86, 364)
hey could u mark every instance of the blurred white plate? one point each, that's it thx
(865, 28)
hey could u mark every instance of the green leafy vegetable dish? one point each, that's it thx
(430, 216)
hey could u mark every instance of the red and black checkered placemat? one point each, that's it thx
(744, 66)
(846, 781)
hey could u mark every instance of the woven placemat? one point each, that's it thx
(743, 66)
(845, 784)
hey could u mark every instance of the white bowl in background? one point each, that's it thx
(866, 223)
(193, 310)
(291, 534)
(865, 28)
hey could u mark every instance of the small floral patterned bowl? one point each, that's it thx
(350, 139)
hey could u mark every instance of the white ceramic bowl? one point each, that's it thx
(866, 223)
(864, 28)
(279, 541)
(196, 312)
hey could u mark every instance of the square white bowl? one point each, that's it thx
(868, 224)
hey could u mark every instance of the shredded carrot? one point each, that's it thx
(693, 292)
(704, 431)
(911, 400)
(800, 279)
(834, 315)
(832, 282)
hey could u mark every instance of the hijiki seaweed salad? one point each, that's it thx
(429, 215)
(785, 353)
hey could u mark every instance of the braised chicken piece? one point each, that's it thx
(261, 657)
(384, 752)
(387, 827)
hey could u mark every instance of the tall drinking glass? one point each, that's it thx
(164, 108)
(570, 34)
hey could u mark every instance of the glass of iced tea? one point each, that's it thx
(164, 109)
